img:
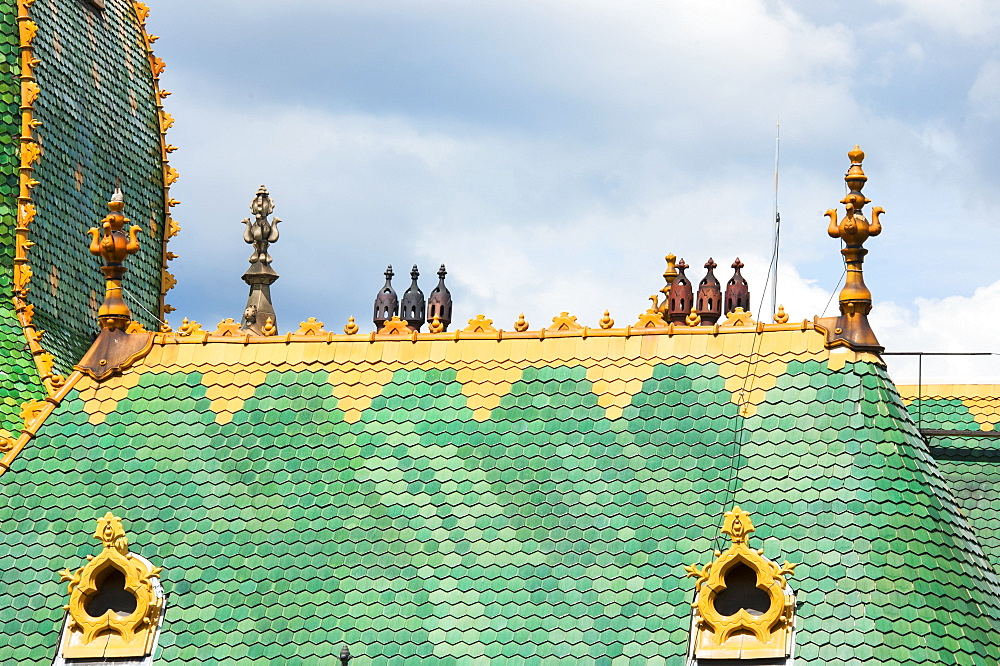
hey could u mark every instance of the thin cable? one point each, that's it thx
(777, 217)
(142, 307)
(834, 292)
(740, 430)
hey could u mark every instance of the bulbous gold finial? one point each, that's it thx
(669, 276)
(521, 325)
(606, 321)
(352, 327)
(113, 245)
(852, 328)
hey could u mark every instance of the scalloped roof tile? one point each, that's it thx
(548, 524)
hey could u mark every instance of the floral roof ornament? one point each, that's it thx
(851, 329)
(260, 234)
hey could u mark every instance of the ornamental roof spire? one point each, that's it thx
(112, 244)
(386, 302)
(114, 349)
(259, 234)
(413, 306)
(439, 303)
(710, 296)
(851, 328)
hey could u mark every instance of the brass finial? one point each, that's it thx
(669, 276)
(606, 321)
(851, 328)
(259, 234)
(737, 525)
(113, 245)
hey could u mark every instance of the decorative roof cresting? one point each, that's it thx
(851, 329)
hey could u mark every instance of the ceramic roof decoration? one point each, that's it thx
(99, 117)
(568, 492)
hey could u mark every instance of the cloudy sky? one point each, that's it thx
(551, 152)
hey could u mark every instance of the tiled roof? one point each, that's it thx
(498, 498)
(100, 123)
(100, 127)
(970, 462)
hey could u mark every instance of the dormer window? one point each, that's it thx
(116, 603)
(744, 608)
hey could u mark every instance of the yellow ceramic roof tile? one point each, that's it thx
(168, 354)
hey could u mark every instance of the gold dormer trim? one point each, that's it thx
(762, 634)
(113, 634)
(170, 174)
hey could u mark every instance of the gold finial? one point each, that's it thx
(521, 325)
(781, 317)
(737, 525)
(606, 321)
(693, 319)
(269, 328)
(111, 533)
(852, 329)
(113, 245)
(352, 327)
(436, 326)
(188, 328)
(669, 275)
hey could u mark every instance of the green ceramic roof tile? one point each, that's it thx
(100, 127)
(970, 463)
(543, 532)
(943, 414)
(99, 120)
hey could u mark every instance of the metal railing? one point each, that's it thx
(920, 370)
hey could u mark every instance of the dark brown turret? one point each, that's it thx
(386, 303)
(439, 304)
(737, 290)
(681, 296)
(709, 296)
(413, 305)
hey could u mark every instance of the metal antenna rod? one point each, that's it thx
(777, 219)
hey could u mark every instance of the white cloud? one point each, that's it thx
(969, 18)
(952, 324)
(552, 162)
(984, 95)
